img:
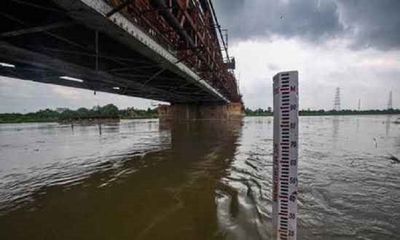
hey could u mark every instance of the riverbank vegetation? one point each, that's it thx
(111, 112)
(268, 112)
(107, 112)
(348, 112)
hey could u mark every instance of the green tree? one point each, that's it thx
(109, 110)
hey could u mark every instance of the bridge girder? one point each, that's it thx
(49, 39)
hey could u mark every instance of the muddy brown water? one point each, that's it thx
(141, 179)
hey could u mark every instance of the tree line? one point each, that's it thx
(308, 112)
(109, 111)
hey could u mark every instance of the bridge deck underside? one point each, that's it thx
(44, 43)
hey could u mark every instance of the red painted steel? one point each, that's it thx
(187, 29)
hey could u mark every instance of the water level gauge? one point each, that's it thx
(285, 158)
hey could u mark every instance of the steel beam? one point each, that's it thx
(119, 7)
(37, 29)
(33, 5)
(16, 54)
(93, 14)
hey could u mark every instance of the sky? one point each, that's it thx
(351, 44)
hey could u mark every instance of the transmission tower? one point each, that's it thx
(359, 104)
(390, 102)
(337, 100)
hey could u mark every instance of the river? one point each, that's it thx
(140, 179)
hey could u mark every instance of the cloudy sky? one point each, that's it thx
(351, 44)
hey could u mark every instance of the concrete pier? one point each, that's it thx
(185, 112)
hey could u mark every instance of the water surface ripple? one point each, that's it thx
(141, 179)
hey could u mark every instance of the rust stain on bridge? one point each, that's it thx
(168, 50)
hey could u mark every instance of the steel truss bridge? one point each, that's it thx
(167, 50)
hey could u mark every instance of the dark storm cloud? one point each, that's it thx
(374, 23)
(310, 19)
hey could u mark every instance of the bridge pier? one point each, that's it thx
(188, 111)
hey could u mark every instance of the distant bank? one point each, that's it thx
(110, 112)
(107, 113)
(262, 112)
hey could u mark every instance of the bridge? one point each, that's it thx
(168, 50)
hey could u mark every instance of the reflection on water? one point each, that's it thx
(195, 180)
(335, 126)
(387, 124)
(168, 192)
